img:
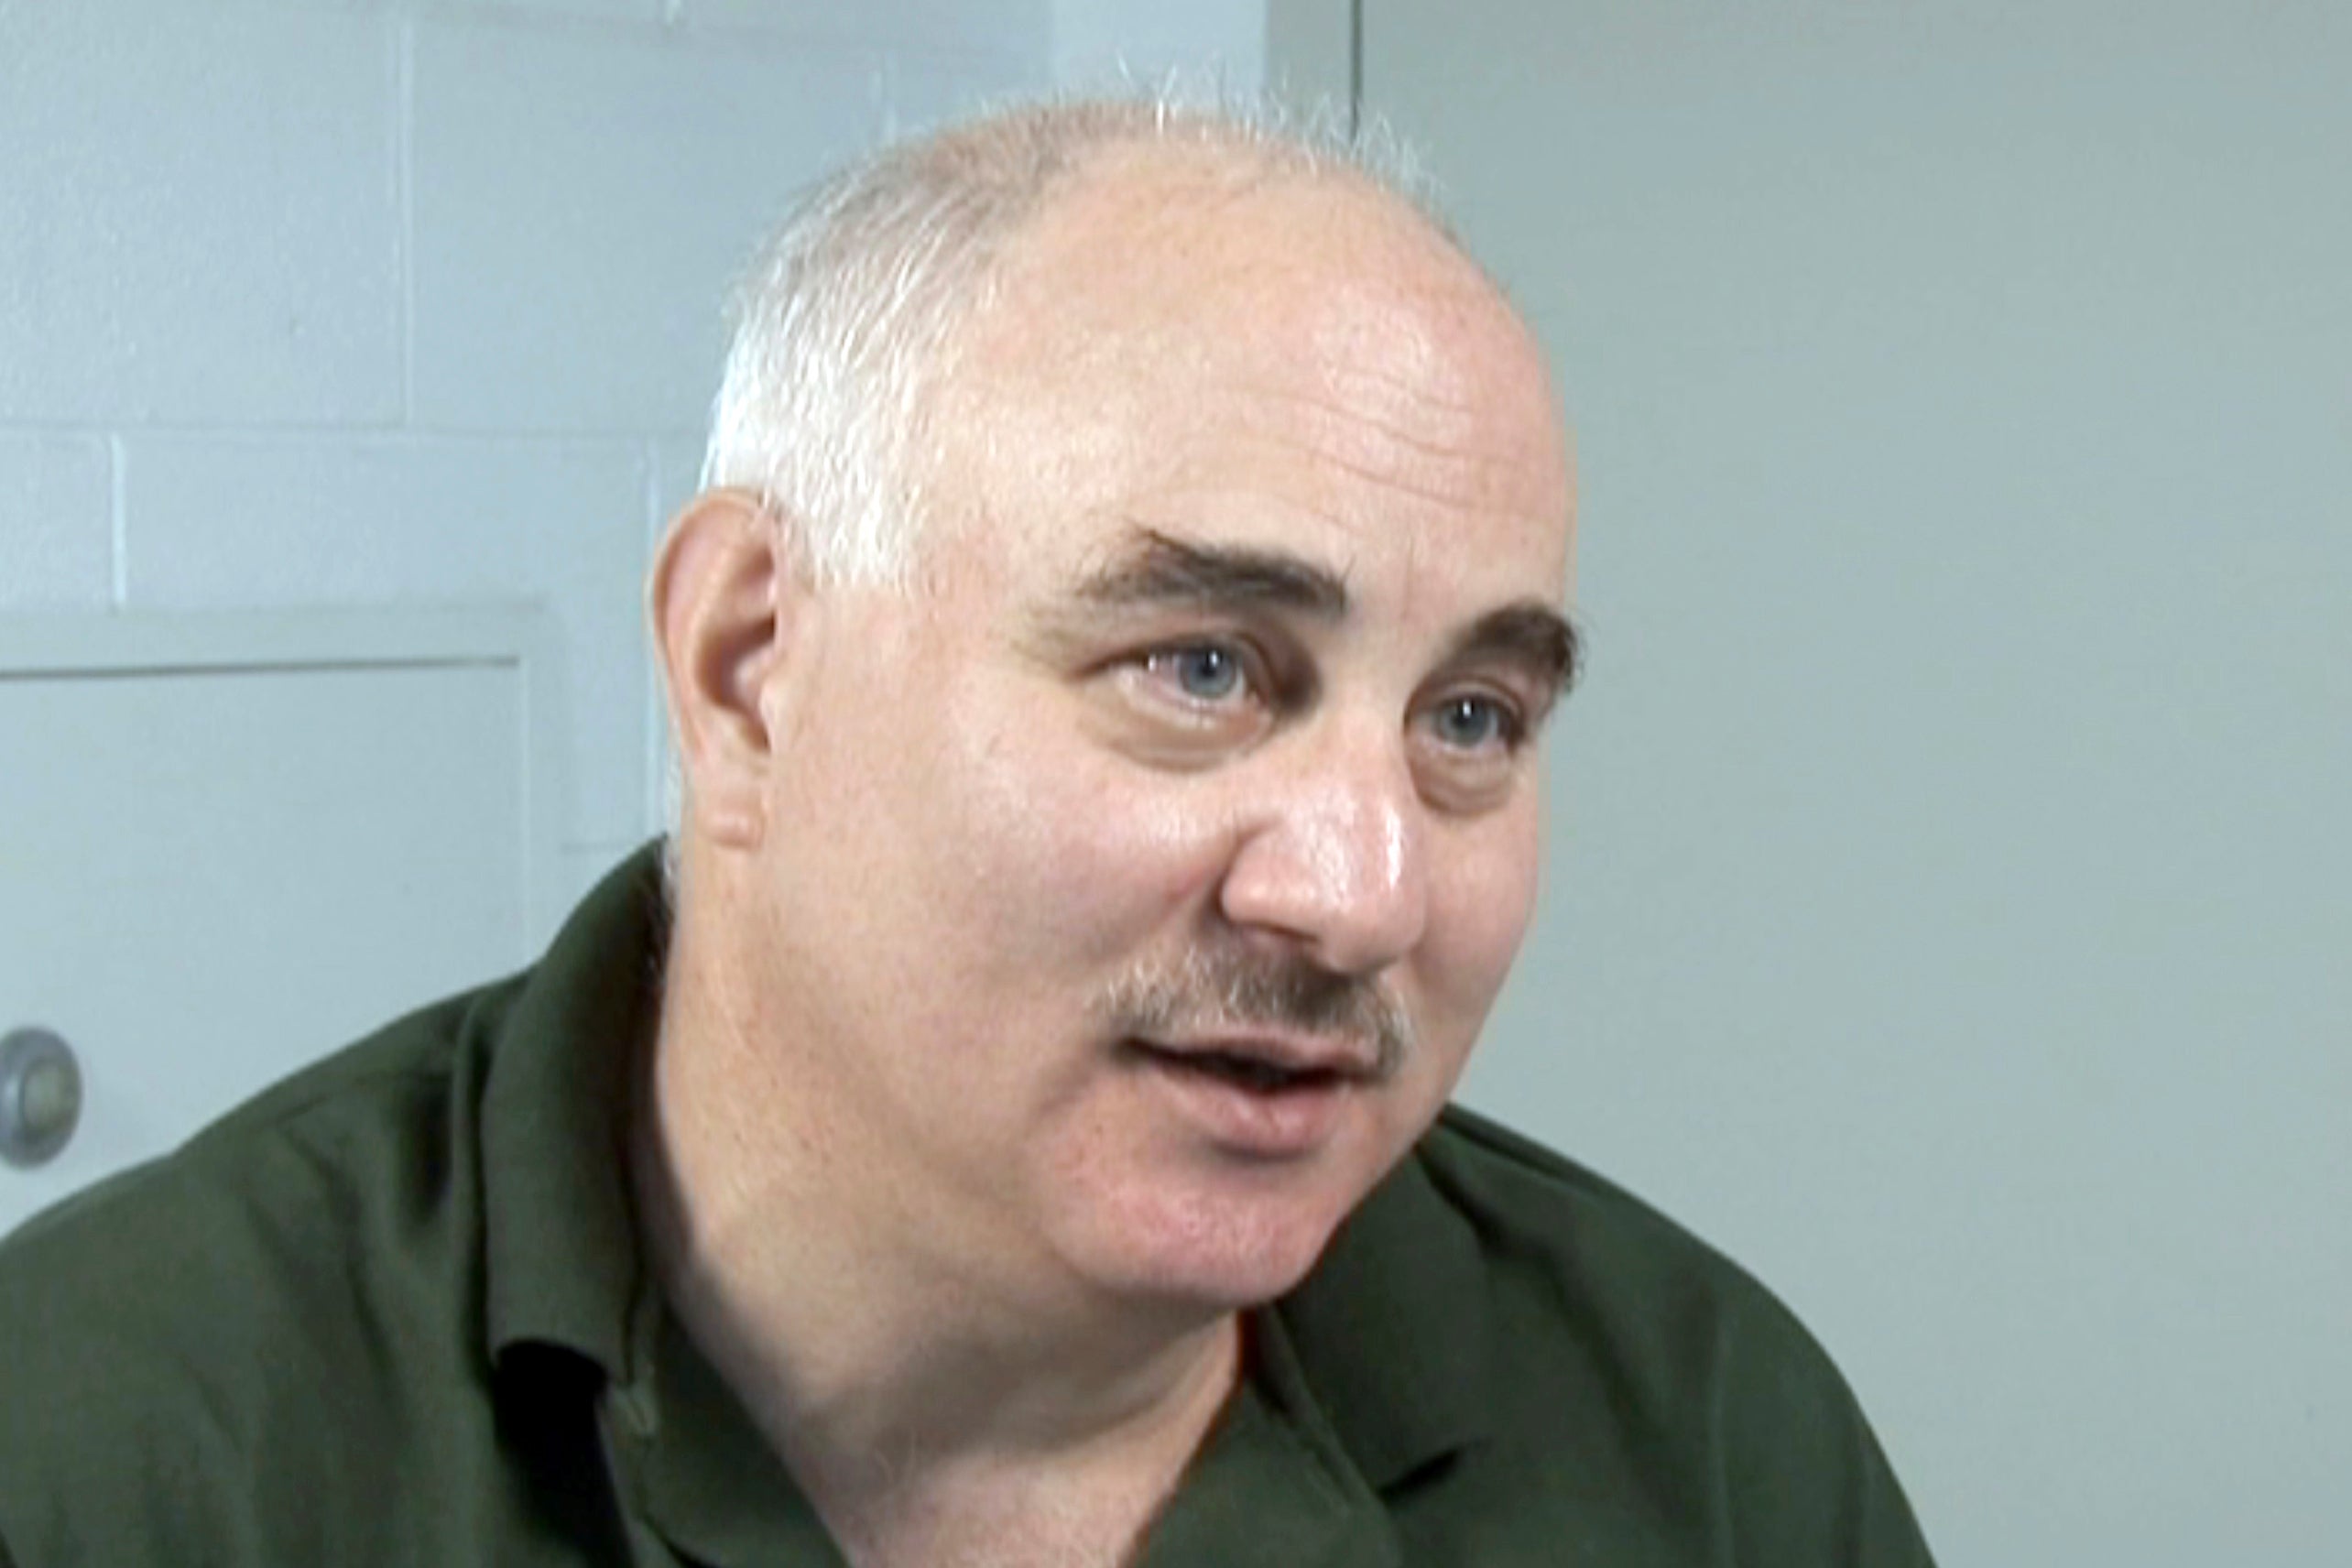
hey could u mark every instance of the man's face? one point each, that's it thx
(1135, 887)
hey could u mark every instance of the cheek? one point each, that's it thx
(1478, 918)
(1055, 855)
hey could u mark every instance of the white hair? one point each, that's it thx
(847, 317)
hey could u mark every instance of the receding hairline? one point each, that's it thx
(1136, 170)
(857, 312)
(1026, 156)
(1043, 162)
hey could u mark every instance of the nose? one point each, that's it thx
(1331, 859)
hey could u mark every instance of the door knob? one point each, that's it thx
(41, 1097)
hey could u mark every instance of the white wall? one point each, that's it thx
(342, 303)
(1200, 44)
(1951, 906)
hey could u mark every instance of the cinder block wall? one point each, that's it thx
(362, 303)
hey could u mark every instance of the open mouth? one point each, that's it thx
(1254, 1073)
(1279, 1104)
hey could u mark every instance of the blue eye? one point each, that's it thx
(1206, 672)
(1469, 724)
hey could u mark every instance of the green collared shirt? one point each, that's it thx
(394, 1310)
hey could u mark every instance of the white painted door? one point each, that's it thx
(231, 845)
(1950, 910)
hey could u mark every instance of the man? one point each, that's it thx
(1107, 669)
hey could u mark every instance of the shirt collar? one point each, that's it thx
(1391, 1330)
(560, 1240)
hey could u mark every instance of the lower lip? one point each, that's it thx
(1264, 1124)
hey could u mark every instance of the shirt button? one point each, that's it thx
(633, 1403)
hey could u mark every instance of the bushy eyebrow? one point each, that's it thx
(1529, 633)
(1154, 569)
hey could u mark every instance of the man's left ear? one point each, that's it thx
(724, 598)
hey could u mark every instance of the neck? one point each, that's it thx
(877, 1362)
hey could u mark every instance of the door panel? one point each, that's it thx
(226, 853)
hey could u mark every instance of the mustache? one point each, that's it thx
(1215, 991)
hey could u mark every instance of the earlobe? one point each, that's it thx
(723, 599)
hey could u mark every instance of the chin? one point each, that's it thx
(1215, 1253)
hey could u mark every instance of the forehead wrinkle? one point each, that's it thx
(1393, 423)
(1397, 447)
(1440, 478)
(1442, 345)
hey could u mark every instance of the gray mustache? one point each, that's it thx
(1227, 992)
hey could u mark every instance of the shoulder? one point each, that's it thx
(1547, 1222)
(368, 1126)
(218, 1324)
(1718, 1399)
